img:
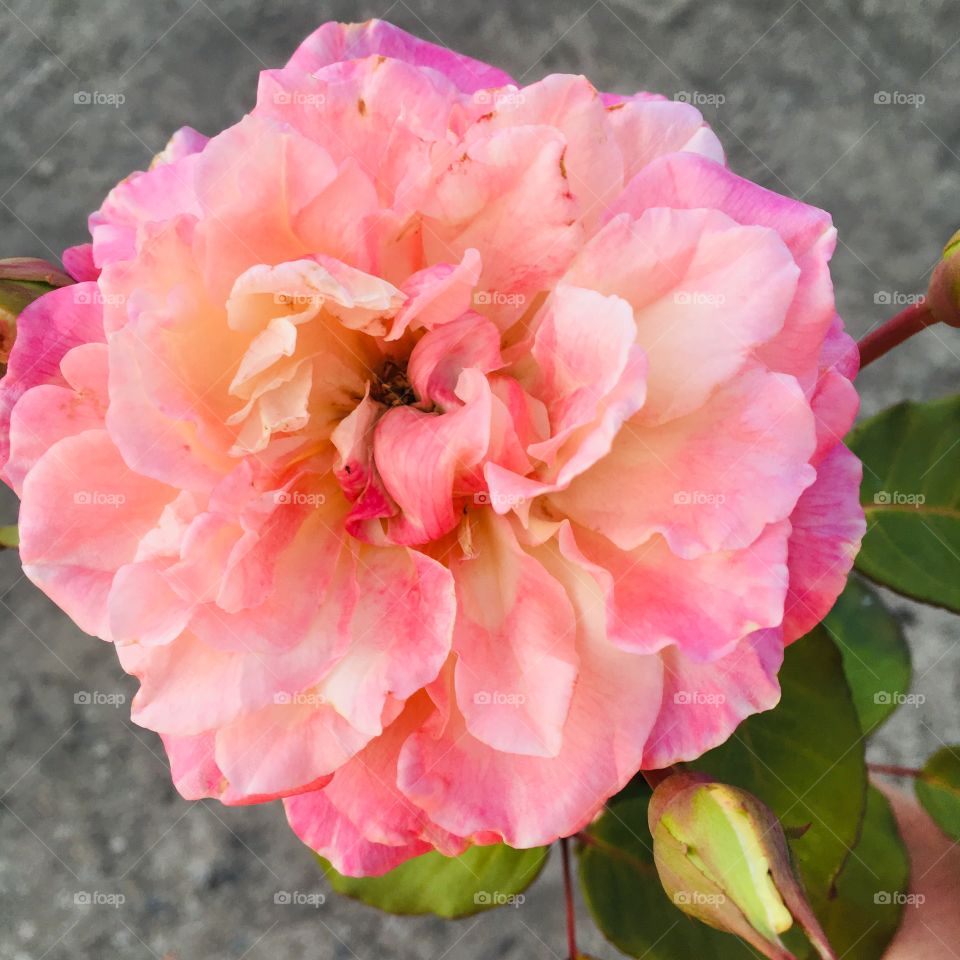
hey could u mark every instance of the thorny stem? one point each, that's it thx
(894, 331)
(568, 895)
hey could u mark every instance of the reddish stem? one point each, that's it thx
(568, 895)
(895, 771)
(894, 331)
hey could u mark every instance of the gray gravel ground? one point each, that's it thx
(86, 800)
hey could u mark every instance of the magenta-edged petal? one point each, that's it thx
(703, 703)
(828, 526)
(336, 42)
(46, 330)
(688, 181)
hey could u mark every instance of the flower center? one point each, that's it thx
(391, 387)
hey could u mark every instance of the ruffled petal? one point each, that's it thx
(47, 330)
(530, 800)
(711, 480)
(515, 643)
(703, 703)
(828, 525)
(687, 181)
(704, 605)
(336, 42)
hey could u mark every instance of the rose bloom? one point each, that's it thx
(438, 453)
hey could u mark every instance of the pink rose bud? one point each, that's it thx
(23, 280)
(943, 295)
(722, 857)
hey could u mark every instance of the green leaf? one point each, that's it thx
(938, 789)
(876, 658)
(863, 917)
(911, 496)
(805, 760)
(9, 537)
(479, 879)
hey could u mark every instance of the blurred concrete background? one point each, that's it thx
(792, 87)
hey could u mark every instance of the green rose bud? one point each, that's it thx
(723, 858)
(23, 280)
(943, 294)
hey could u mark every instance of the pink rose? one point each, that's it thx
(438, 452)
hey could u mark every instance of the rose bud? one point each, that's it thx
(722, 857)
(23, 280)
(943, 295)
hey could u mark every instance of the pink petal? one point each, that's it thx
(703, 703)
(828, 526)
(43, 416)
(84, 510)
(401, 630)
(437, 294)
(78, 262)
(506, 194)
(684, 180)
(584, 348)
(647, 128)
(441, 356)
(704, 606)
(532, 800)
(705, 293)
(515, 645)
(284, 747)
(711, 480)
(46, 331)
(193, 767)
(420, 457)
(335, 42)
(592, 162)
(365, 791)
(323, 828)
(378, 120)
